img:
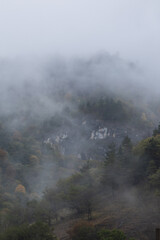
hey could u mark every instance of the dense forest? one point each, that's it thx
(79, 159)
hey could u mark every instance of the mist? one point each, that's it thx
(38, 85)
(79, 109)
(36, 92)
(82, 28)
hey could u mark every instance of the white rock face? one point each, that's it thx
(48, 142)
(58, 139)
(99, 134)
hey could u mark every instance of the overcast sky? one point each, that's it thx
(82, 27)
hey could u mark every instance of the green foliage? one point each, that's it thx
(154, 179)
(78, 193)
(126, 145)
(110, 155)
(105, 109)
(86, 231)
(156, 131)
(111, 235)
(109, 173)
(150, 149)
(125, 152)
(148, 152)
(23, 158)
(35, 231)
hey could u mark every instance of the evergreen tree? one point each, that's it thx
(125, 152)
(110, 155)
(156, 131)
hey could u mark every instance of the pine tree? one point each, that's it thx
(110, 155)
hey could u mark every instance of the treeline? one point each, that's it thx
(116, 111)
(93, 187)
(82, 194)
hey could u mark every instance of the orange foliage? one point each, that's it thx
(20, 189)
(3, 154)
(3, 158)
(34, 160)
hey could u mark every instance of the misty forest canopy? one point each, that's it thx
(45, 84)
(79, 150)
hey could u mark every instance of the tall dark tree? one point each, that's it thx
(125, 152)
(110, 155)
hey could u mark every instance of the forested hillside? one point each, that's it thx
(79, 155)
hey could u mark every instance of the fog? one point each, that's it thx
(69, 28)
(40, 85)
(35, 92)
(61, 63)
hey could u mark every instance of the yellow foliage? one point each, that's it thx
(143, 117)
(20, 189)
(34, 160)
(38, 152)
